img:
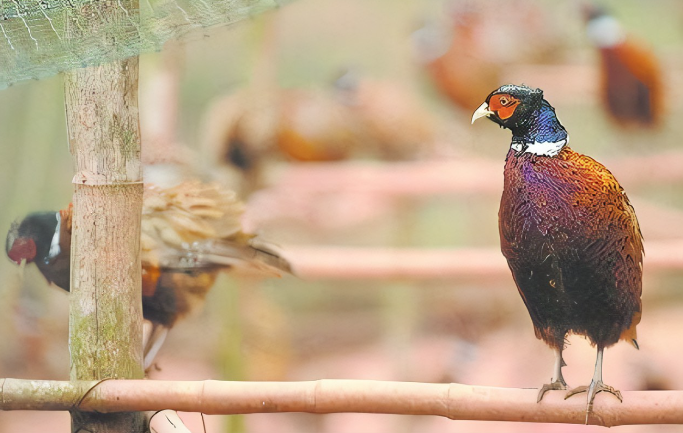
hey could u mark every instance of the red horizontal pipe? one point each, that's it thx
(466, 175)
(414, 263)
(453, 401)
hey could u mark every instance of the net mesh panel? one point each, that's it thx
(40, 38)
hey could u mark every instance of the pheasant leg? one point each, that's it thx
(595, 386)
(557, 381)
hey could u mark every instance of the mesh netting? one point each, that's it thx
(39, 38)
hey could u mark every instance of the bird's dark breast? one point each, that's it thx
(171, 295)
(57, 270)
(573, 245)
(176, 294)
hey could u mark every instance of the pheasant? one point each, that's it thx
(569, 234)
(630, 74)
(190, 232)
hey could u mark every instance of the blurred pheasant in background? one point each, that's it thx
(249, 128)
(630, 74)
(569, 234)
(454, 57)
(466, 52)
(190, 232)
(263, 122)
(239, 132)
(314, 127)
(358, 117)
(394, 124)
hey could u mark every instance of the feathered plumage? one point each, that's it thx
(190, 232)
(568, 232)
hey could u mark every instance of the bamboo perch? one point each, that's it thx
(454, 401)
(414, 263)
(472, 176)
(307, 182)
(468, 175)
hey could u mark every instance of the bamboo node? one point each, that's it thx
(85, 177)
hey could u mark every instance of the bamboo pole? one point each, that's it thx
(454, 401)
(355, 263)
(105, 321)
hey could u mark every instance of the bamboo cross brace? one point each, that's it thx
(378, 263)
(471, 175)
(454, 401)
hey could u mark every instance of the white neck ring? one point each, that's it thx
(541, 149)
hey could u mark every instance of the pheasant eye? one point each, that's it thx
(504, 101)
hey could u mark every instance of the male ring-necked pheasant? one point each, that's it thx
(569, 234)
(190, 233)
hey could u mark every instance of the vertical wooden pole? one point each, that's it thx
(105, 322)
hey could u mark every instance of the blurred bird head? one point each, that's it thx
(510, 106)
(31, 237)
(430, 41)
(603, 30)
(346, 84)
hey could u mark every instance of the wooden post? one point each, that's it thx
(105, 322)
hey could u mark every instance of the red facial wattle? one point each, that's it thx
(503, 105)
(22, 249)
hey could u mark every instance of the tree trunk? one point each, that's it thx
(105, 328)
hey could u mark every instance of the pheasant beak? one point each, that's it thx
(482, 111)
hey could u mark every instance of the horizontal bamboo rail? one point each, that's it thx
(472, 175)
(454, 401)
(351, 263)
